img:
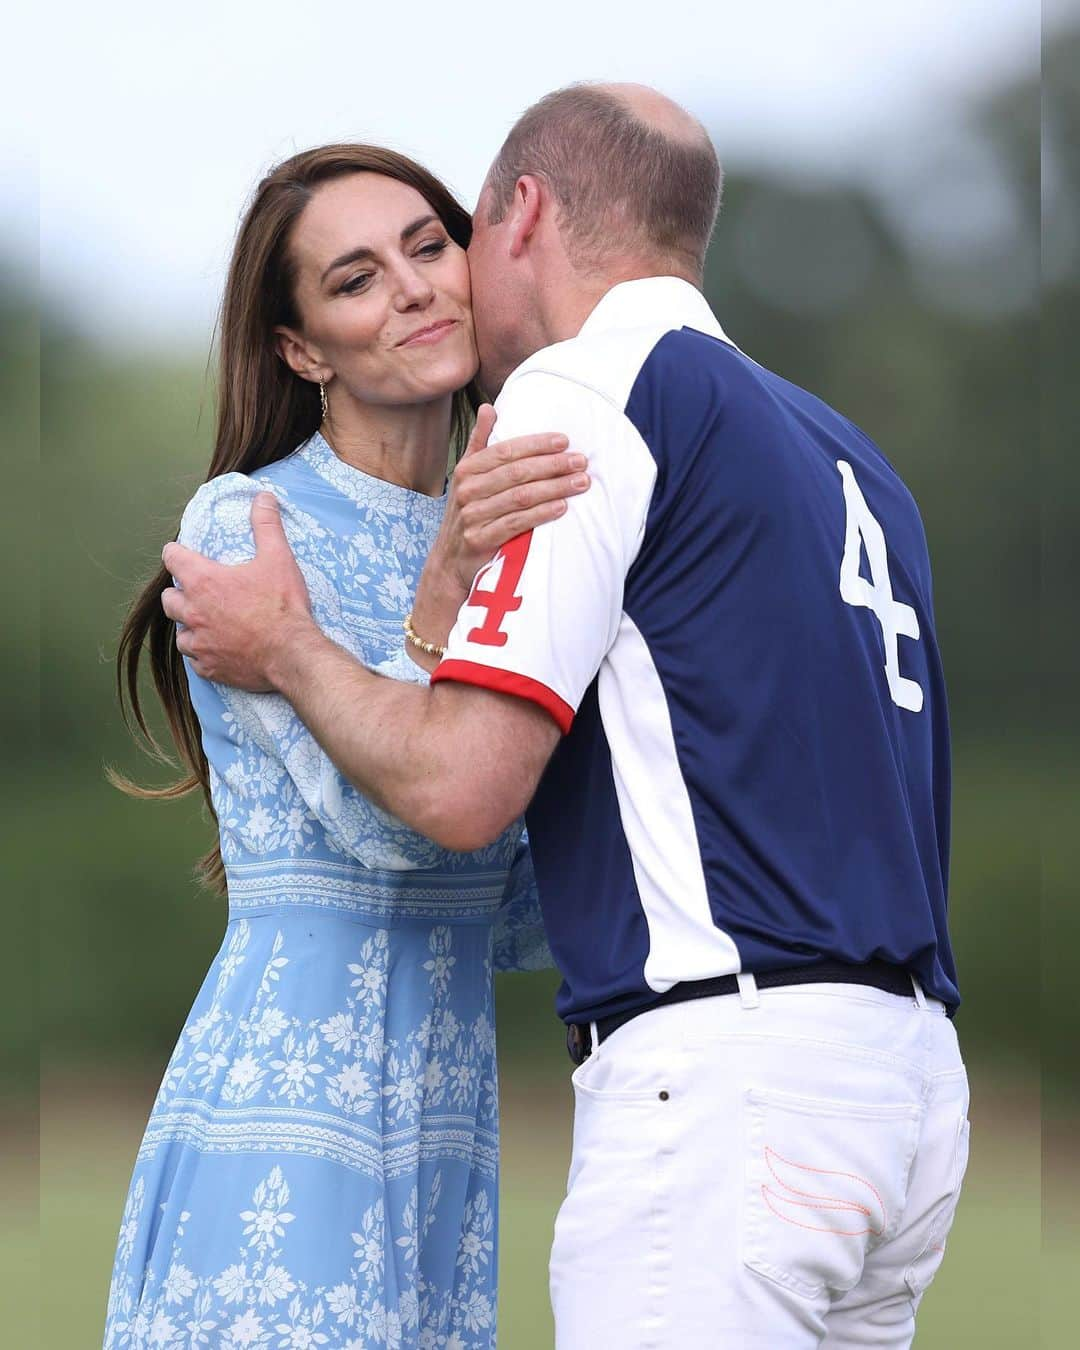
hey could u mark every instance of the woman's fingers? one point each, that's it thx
(482, 429)
(522, 447)
(526, 459)
(509, 455)
(490, 523)
(492, 537)
(506, 489)
(524, 496)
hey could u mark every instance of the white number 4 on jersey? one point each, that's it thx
(897, 620)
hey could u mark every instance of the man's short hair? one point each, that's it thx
(622, 186)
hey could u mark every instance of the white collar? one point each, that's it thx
(669, 300)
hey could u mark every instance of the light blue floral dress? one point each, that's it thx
(320, 1166)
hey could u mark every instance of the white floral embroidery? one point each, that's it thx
(268, 1220)
(130, 1222)
(179, 1284)
(319, 1169)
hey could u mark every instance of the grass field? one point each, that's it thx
(988, 1295)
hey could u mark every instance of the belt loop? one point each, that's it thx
(594, 1039)
(920, 997)
(748, 990)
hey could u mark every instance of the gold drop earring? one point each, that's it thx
(322, 402)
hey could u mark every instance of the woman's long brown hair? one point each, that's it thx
(264, 412)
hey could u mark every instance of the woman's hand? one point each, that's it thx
(500, 491)
(497, 492)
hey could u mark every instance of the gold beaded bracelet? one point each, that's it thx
(432, 648)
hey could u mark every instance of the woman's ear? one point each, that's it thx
(300, 356)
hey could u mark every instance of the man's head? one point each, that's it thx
(595, 184)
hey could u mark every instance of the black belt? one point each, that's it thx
(876, 974)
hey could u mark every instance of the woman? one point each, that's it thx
(319, 1168)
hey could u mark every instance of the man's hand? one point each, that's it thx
(239, 620)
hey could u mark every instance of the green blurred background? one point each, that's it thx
(912, 303)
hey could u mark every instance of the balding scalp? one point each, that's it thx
(634, 175)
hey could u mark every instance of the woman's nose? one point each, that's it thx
(414, 290)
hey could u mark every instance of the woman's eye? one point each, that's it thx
(356, 283)
(433, 249)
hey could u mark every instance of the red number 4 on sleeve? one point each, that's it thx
(503, 598)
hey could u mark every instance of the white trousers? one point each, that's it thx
(776, 1169)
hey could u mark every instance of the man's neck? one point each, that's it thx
(565, 308)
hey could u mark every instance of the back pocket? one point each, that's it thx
(825, 1182)
(925, 1266)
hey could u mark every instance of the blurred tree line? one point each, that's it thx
(910, 301)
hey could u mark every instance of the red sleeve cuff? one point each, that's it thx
(507, 682)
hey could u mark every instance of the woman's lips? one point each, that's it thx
(434, 332)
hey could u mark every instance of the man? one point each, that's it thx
(714, 683)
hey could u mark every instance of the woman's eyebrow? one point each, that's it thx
(417, 225)
(359, 254)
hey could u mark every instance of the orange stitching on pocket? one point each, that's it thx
(821, 1202)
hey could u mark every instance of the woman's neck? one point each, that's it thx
(405, 444)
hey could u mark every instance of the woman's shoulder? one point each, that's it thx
(220, 512)
(221, 508)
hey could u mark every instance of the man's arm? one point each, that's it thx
(244, 620)
(455, 763)
(461, 760)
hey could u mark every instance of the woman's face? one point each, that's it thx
(382, 293)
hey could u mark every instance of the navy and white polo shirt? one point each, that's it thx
(734, 629)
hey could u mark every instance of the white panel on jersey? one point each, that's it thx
(617, 337)
(555, 620)
(654, 805)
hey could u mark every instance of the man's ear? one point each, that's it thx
(530, 199)
(299, 355)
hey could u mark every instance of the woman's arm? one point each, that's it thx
(262, 725)
(497, 492)
(520, 942)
